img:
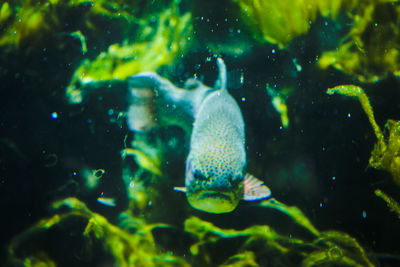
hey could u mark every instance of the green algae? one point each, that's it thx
(146, 35)
(132, 242)
(127, 249)
(329, 247)
(370, 51)
(293, 212)
(393, 205)
(32, 23)
(153, 46)
(279, 22)
(148, 155)
(385, 154)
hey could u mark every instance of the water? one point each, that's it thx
(76, 184)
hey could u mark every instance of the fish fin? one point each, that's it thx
(141, 115)
(254, 189)
(221, 82)
(107, 201)
(156, 102)
(180, 189)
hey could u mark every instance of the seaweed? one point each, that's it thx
(154, 46)
(391, 203)
(370, 51)
(132, 243)
(385, 154)
(328, 247)
(126, 249)
(279, 22)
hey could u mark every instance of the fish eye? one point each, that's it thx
(198, 175)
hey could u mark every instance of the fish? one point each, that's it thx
(215, 175)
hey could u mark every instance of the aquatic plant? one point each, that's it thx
(152, 47)
(141, 181)
(133, 242)
(279, 22)
(29, 23)
(391, 203)
(262, 243)
(278, 100)
(385, 154)
(370, 51)
(126, 249)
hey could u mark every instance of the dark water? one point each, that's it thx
(319, 164)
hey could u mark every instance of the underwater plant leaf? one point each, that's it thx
(293, 212)
(391, 203)
(126, 248)
(371, 49)
(330, 247)
(356, 91)
(153, 47)
(244, 259)
(279, 22)
(385, 154)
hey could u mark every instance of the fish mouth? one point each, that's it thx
(216, 195)
(213, 202)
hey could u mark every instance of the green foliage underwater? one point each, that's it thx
(79, 188)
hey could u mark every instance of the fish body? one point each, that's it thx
(215, 178)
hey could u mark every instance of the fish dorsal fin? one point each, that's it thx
(221, 83)
(254, 189)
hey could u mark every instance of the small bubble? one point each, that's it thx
(320, 205)
(243, 99)
(348, 115)
(333, 178)
(98, 173)
(273, 51)
(364, 214)
(54, 115)
(376, 24)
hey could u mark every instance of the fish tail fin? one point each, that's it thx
(222, 74)
(254, 189)
(156, 102)
(144, 89)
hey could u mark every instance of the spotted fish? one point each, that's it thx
(215, 178)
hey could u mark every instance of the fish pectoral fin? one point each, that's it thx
(254, 189)
(180, 189)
